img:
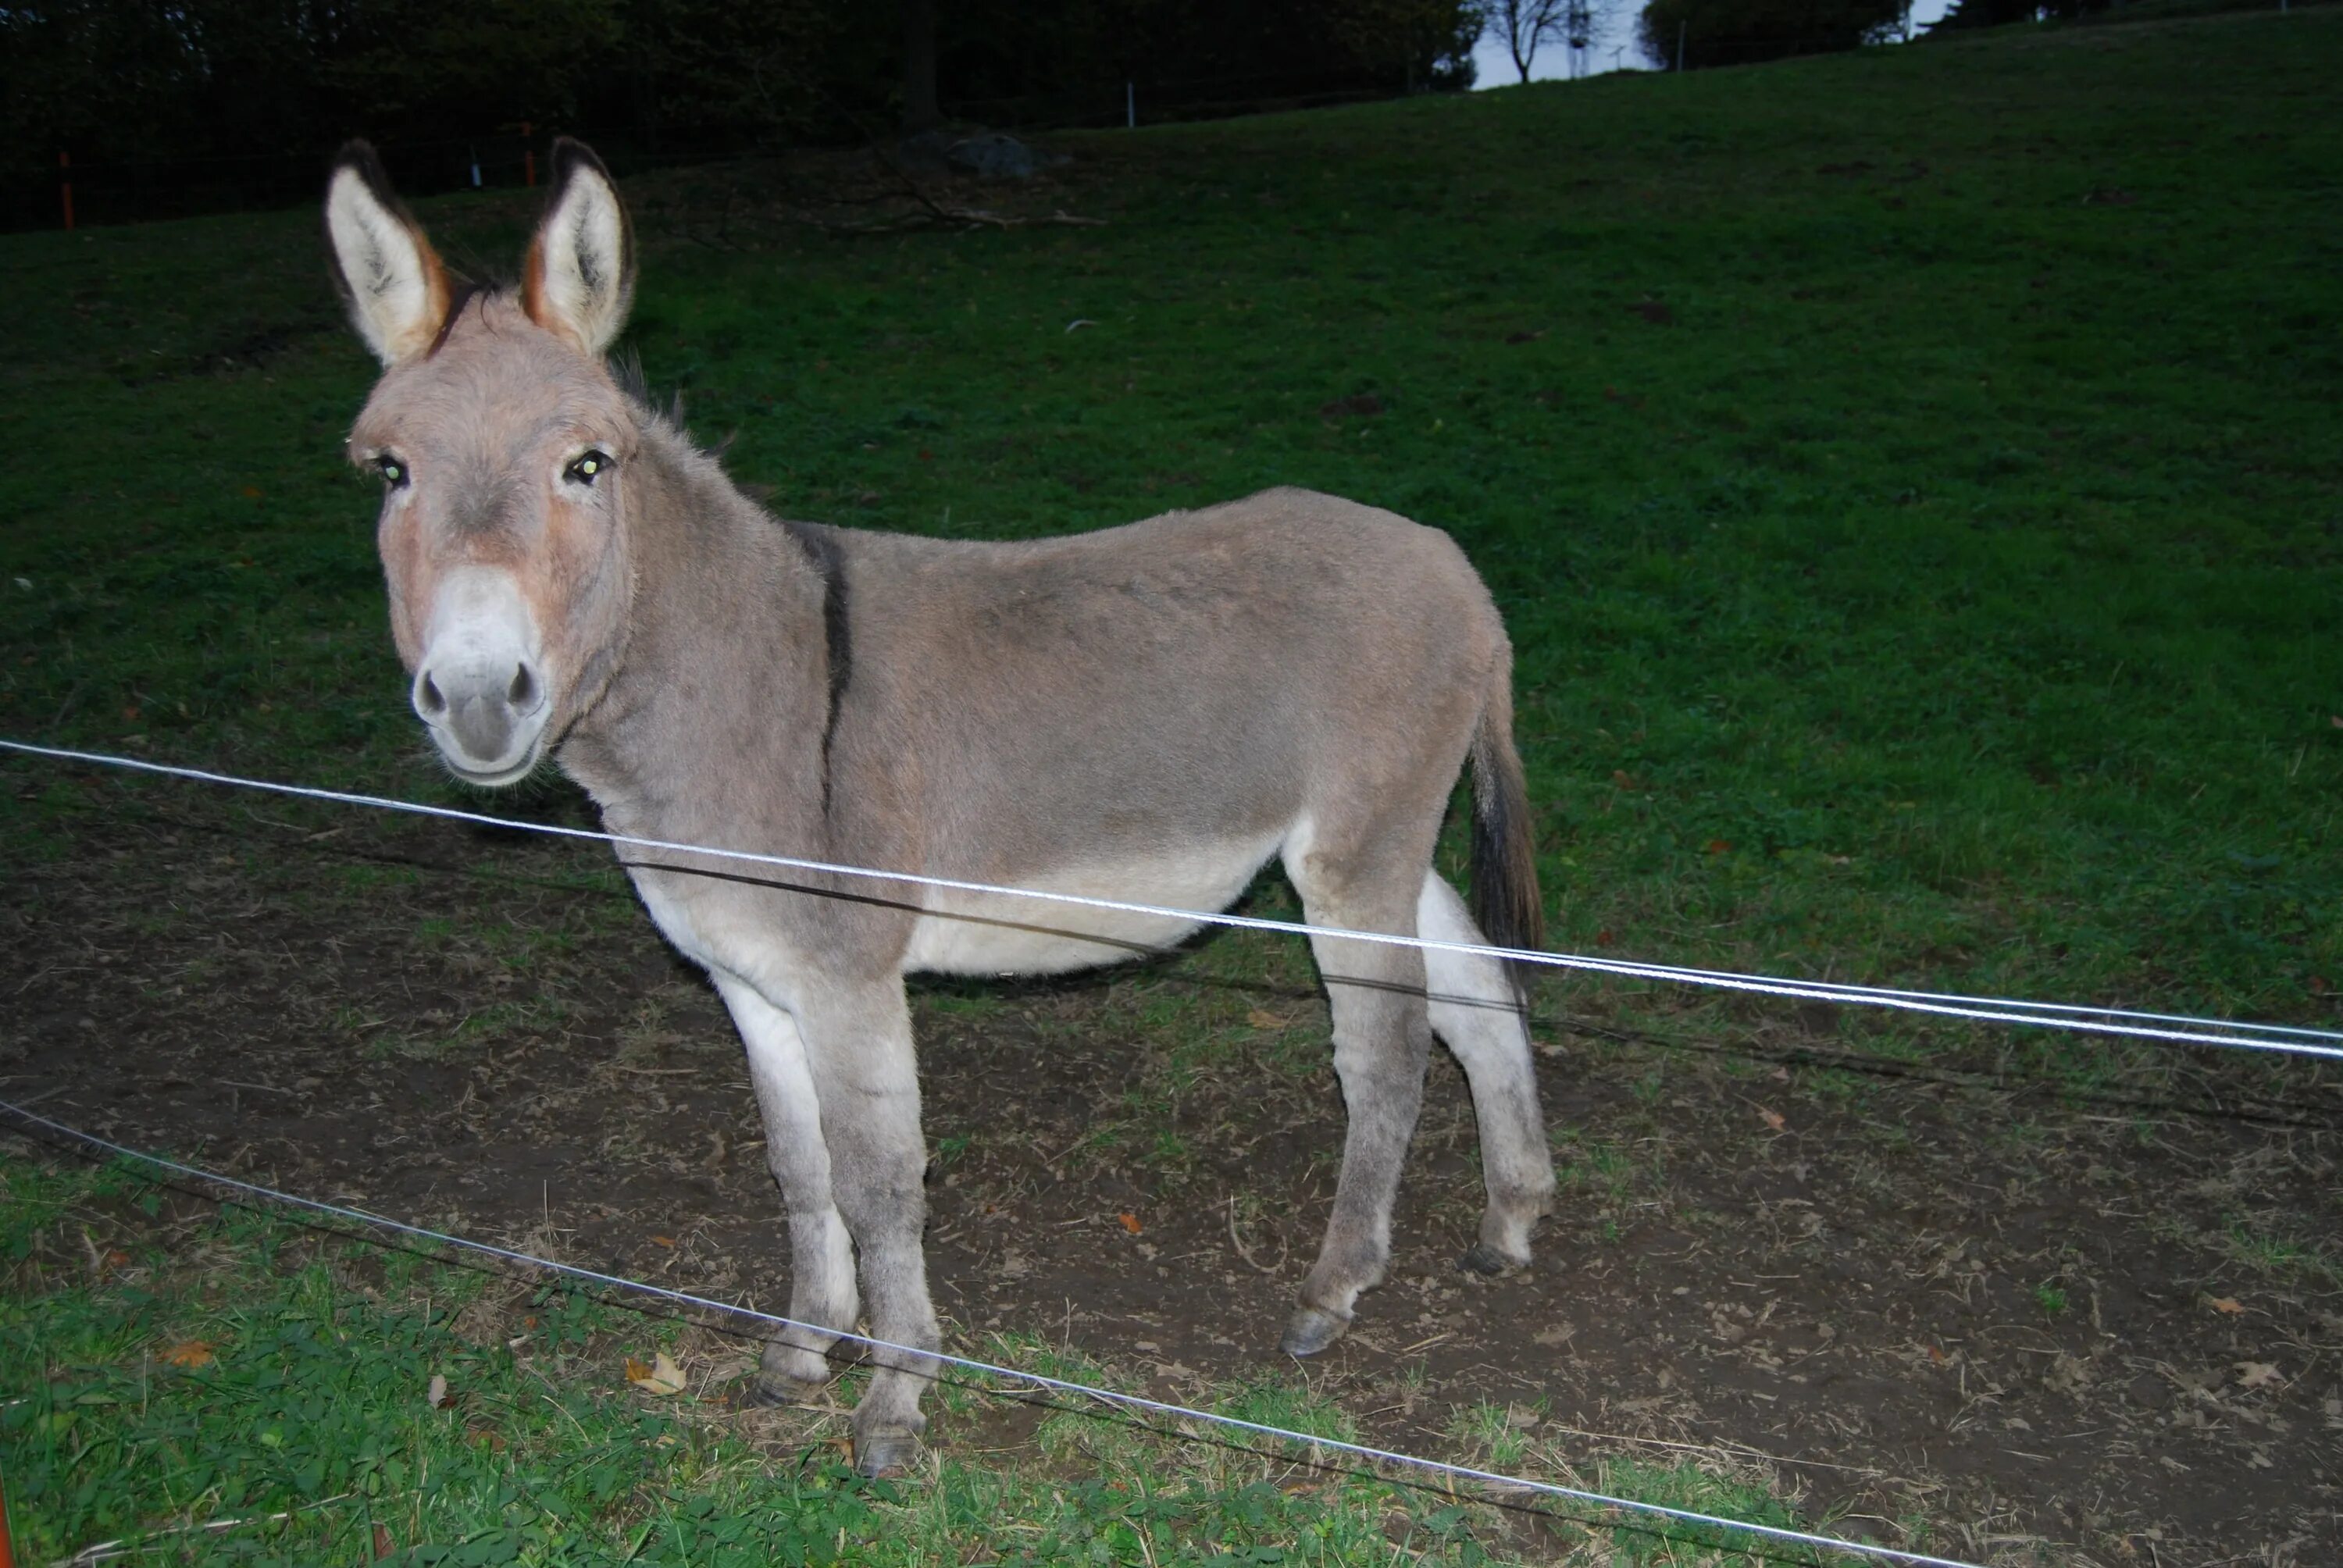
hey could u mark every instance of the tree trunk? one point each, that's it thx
(920, 112)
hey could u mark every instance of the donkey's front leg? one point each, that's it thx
(859, 1045)
(821, 1257)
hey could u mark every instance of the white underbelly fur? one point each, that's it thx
(976, 933)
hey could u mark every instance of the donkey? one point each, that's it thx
(1151, 712)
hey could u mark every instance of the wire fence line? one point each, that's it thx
(2180, 1029)
(1497, 1481)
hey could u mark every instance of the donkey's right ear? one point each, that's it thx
(389, 275)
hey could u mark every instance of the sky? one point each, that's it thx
(1614, 48)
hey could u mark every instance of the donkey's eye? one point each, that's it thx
(586, 468)
(394, 471)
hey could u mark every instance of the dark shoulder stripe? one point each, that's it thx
(820, 547)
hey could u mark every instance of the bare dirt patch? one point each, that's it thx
(2094, 1323)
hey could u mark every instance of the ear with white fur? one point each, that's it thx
(581, 274)
(389, 275)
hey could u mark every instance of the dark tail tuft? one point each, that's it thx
(1506, 902)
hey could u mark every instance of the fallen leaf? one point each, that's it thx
(188, 1354)
(1261, 1018)
(2229, 1304)
(437, 1396)
(661, 1377)
(663, 1240)
(382, 1546)
(1772, 1119)
(1130, 1222)
(2257, 1374)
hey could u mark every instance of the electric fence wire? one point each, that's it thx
(2178, 1028)
(1498, 1482)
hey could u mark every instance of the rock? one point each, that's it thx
(995, 156)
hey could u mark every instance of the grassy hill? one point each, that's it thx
(1912, 480)
(1910, 477)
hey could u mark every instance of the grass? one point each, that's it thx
(1910, 479)
(219, 1385)
(1910, 488)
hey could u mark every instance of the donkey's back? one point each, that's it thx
(1151, 712)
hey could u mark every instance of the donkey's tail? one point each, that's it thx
(1506, 902)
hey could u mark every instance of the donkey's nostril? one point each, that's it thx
(427, 698)
(522, 693)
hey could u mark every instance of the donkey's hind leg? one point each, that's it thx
(821, 1257)
(1476, 1010)
(1382, 1040)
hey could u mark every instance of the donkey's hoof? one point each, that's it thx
(1481, 1258)
(887, 1453)
(772, 1388)
(1312, 1329)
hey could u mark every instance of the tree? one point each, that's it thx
(1970, 14)
(1430, 41)
(1701, 33)
(920, 110)
(1525, 24)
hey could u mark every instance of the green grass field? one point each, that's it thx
(216, 1386)
(1936, 595)
(1912, 480)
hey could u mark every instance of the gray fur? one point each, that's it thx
(1151, 712)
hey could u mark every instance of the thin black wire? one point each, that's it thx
(1682, 1516)
(1112, 1415)
(2279, 1114)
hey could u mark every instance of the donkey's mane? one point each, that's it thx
(819, 545)
(635, 386)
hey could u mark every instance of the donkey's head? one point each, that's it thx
(504, 445)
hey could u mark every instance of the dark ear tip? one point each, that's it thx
(569, 155)
(358, 156)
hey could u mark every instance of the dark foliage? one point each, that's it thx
(1968, 14)
(1703, 32)
(206, 103)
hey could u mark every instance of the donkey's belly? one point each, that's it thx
(977, 933)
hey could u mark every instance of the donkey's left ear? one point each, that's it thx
(581, 274)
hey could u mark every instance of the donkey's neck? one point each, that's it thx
(720, 697)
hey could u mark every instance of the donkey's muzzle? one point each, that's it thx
(485, 717)
(482, 686)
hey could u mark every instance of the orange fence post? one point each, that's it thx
(65, 194)
(529, 176)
